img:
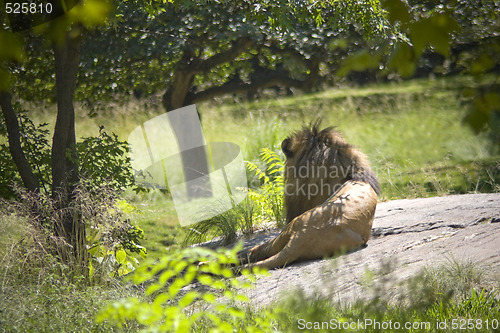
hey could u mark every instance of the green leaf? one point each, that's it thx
(225, 327)
(435, 31)
(403, 60)
(189, 298)
(205, 279)
(121, 256)
(179, 267)
(241, 298)
(209, 298)
(359, 61)
(14, 51)
(152, 288)
(236, 313)
(482, 64)
(482, 109)
(91, 13)
(397, 11)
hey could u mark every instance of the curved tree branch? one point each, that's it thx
(261, 79)
(238, 47)
(29, 179)
(176, 95)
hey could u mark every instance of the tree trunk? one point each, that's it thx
(175, 97)
(64, 155)
(194, 161)
(29, 179)
(181, 93)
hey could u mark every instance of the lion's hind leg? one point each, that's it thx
(337, 240)
(266, 250)
(279, 258)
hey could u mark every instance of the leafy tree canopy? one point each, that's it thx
(189, 51)
(460, 37)
(195, 50)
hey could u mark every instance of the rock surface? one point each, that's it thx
(408, 235)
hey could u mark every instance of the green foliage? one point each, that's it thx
(484, 109)
(103, 159)
(29, 49)
(224, 225)
(112, 250)
(9, 54)
(462, 32)
(283, 38)
(35, 144)
(40, 292)
(113, 244)
(416, 31)
(269, 198)
(214, 306)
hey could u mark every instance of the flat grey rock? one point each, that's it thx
(407, 235)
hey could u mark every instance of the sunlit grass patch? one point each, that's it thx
(453, 292)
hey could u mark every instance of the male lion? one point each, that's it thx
(330, 200)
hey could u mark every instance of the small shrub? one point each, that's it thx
(213, 306)
(455, 277)
(269, 199)
(246, 211)
(113, 242)
(105, 160)
(35, 144)
(225, 225)
(41, 293)
(102, 160)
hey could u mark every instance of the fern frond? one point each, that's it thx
(258, 172)
(273, 161)
(269, 156)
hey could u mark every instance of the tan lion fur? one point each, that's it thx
(330, 200)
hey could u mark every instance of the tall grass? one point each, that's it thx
(39, 293)
(412, 132)
(413, 135)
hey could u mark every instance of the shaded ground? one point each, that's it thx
(408, 235)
